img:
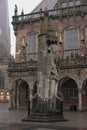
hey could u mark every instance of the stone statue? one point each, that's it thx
(52, 71)
(15, 10)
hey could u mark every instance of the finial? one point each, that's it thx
(46, 12)
(22, 12)
(40, 12)
(16, 10)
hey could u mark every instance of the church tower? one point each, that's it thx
(4, 50)
(4, 29)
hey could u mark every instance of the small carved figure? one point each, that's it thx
(16, 10)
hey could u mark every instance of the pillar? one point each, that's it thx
(30, 98)
(11, 101)
(80, 100)
(17, 97)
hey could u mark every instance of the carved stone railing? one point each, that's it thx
(74, 10)
(81, 61)
(74, 58)
(73, 63)
(22, 66)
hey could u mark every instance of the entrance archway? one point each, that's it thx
(20, 94)
(69, 90)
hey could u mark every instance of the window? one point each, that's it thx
(71, 42)
(73, 92)
(2, 96)
(70, 90)
(1, 80)
(78, 2)
(64, 5)
(7, 96)
(71, 4)
(32, 46)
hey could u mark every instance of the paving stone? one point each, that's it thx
(11, 120)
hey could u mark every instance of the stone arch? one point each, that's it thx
(20, 93)
(69, 27)
(84, 94)
(68, 89)
(69, 75)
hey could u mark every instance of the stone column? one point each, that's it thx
(10, 100)
(17, 97)
(30, 99)
(80, 100)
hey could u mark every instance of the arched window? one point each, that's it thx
(1, 80)
(71, 42)
(32, 46)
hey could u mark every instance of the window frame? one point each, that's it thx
(35, 50)
(76, 2)
(65, 30)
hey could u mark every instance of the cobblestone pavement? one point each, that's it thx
(18, 126)
(11, 120)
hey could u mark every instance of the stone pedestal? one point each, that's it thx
(46, 110)
(45, 117)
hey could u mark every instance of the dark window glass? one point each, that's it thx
(73, 92)
(1, 80)
(71, 37)
(71, 3)
(78, 2)
(64, 5)
(32, 46)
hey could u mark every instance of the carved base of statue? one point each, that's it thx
(46, 110)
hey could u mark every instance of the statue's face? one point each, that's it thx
(54, 48)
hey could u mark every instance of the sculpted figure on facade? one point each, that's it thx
(16, 10)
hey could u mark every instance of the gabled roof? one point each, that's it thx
(49, 4)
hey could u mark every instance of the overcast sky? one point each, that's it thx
(27, 6)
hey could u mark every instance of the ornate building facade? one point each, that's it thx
(69, 20)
